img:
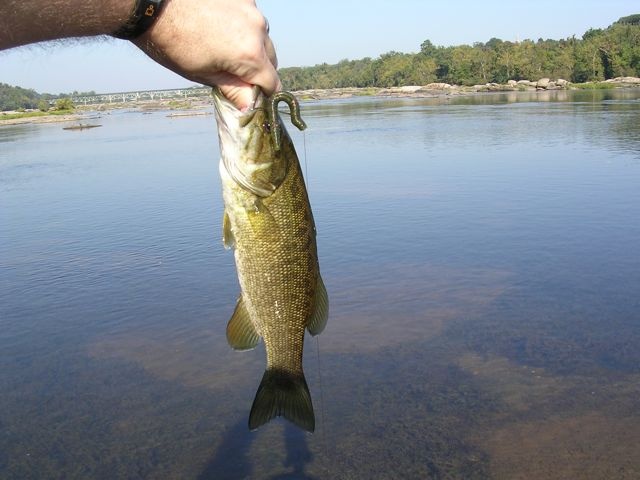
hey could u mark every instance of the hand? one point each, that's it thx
(215, 42)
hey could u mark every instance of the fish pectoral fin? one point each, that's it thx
(241, 334)
(283, 393)
(228, 239)
(318, 320)
(262, 222)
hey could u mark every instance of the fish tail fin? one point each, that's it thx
(282, 393)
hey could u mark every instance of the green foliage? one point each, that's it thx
(630, 20)
(12, 116)
(64, 104)
(599, 55)
(596, 86)
(14, 98)
(43, 105)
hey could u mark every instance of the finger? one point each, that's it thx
(271, 51)
(237, 92)
(266, 76)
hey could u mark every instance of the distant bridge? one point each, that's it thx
(124, 97)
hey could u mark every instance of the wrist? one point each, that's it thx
(142, 17)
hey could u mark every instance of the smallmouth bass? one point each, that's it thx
(269, 224)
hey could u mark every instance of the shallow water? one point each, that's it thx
(482, 260)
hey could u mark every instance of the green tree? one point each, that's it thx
(43, 105)
(598, 55)
(630, 20)
(14, 98)
(64, 104)
(423, 70)
(393, 69)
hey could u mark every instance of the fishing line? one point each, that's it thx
(306, 169)
(323, 434)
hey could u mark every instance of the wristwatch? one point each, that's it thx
(144, 14)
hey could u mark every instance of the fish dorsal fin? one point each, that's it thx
(228, 239)
(241, 334)
(318, 320)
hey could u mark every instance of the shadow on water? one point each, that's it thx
(298, 455)
(232, 459)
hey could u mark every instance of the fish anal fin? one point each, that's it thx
(241, 334)
(228, 239)
(282, 393)
(318, 320)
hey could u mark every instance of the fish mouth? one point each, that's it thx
(234, 136)
(232, 122)
(225, 110)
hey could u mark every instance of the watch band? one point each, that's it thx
(144, 14)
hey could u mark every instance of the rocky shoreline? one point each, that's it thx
(438, 89)
(410, 91)
(72, 117)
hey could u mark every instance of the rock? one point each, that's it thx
(408, 89)
(543, 83)
(561, 82)
(496, 87)
(512, 83)
(436, 86)
(626, 80)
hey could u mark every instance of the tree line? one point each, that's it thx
(599, 55)
(18, 98)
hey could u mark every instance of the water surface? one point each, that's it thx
(482, 260)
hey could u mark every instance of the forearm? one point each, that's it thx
(29, 21)
(214, 42)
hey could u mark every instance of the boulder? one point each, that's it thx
(561, 82)
(543, 83)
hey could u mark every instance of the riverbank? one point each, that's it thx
(18, 118)
(442, 89)
(196, 105)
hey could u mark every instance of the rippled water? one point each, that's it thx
(482, 257)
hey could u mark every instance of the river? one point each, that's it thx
(482, 258)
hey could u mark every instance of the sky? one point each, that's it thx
(312, 32)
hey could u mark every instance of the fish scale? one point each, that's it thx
(269, 223)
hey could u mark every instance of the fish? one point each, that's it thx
(269, 224)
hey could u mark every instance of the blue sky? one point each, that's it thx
(311, 32)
